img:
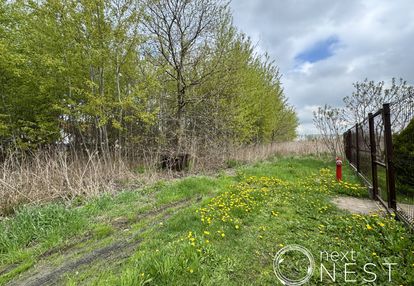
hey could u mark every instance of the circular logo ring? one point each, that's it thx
(278, 259)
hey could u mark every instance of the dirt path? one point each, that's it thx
(357, 205)
(47, 274)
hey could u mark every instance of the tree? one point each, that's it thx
(82, 69)
(329, 121)
(368, 97)
(183, 34)
(253, 108)
(126, 76)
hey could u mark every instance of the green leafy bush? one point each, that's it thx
(403, 158)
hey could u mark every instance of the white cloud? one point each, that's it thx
(375, 41)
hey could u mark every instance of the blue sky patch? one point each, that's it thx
(319, 51)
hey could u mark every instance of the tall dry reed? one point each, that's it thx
(56, 175)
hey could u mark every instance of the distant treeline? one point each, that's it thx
(127, 74)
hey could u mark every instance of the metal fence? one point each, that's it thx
(381, 149)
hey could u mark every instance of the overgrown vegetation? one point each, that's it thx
(127, 76)
(93, 92)
(404, 156)
(229, 233)
(57, 176)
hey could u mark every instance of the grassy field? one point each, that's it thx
(222, 230)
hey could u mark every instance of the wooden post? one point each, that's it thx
(357, 146)
(389, 157)
(373, 148)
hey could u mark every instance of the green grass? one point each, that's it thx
(228, 236)
(35, 230)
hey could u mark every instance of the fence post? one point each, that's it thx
(373, 149)
(389, 154)
(357, 146)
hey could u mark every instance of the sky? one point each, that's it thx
(323, 46)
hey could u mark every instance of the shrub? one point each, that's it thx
(403, 158)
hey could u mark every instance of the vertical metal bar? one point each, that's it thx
(389, 157)
(373, 148)
(357, 146)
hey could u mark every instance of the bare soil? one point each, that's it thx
(357, 205)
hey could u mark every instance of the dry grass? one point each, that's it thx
(54, 175)
(220, 157)
(262, 152)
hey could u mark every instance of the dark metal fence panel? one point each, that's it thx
(378, 132)
(373, 149)
(352, 145)
(379, 137)
(364, 150)
(381, 149)
(402, 128)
